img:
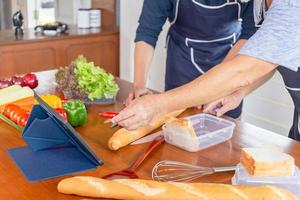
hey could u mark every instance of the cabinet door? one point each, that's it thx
(103, 51)
(20, 59)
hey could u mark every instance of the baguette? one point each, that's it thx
(124, 137)
(130, 189)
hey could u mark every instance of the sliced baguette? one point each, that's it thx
(267, 162)
(181, 126)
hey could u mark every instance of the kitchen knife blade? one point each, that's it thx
(147, 138)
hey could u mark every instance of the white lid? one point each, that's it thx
(291, 183)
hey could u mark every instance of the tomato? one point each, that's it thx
(16, 114)
(22, 119)
(8, 109)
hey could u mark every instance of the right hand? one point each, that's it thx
(136, 93)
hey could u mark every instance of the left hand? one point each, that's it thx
(140, 112)
(223, 105)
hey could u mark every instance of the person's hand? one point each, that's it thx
(223, 105)
(140, 112)
(136, 93)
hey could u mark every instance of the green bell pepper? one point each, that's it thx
(76, 112)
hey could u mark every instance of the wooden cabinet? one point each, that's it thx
(36, 53)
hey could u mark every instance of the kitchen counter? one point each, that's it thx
(7, 37)
(14, 185)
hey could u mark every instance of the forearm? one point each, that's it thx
(247, 90)
(235, 49)
(218, 82)
(142, 59)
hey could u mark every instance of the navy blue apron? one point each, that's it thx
(199, 38)
(292, 83)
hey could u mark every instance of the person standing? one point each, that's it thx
(203, 33)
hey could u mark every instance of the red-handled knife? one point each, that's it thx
(108, 115)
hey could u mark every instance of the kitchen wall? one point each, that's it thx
(129, 14)
(5, 14)
(269, 107)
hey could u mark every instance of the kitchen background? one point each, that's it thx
(270, 107)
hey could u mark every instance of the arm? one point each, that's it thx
(223, 105)
(152, 19)
(222, 80)
(235, 49)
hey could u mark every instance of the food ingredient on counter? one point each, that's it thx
(11, 123)
(17, 80)
(270, 162)
(52, 100)
(83, 79)
(9, 89)
(29, 80)
(26, 103)
(16, 114)
(127, 189)
(5, 84)
(9, 95)
(76, 112)
(123, 137)
(62, 113)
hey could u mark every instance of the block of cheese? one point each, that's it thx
(267, 162)
(180, 126)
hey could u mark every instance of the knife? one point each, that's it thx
(148, 138)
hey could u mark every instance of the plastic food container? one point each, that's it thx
(210, 130)
(291, 183)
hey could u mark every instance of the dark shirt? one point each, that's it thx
(156, 12)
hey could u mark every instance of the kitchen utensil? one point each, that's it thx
(130, 172)
(108, 115)
(182, 172)
(147, 138)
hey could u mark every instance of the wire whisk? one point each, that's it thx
(174, 171)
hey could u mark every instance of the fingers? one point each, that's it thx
(123, 115)
(132, 123)
(224, 109)
(213, 107)
(129, 99)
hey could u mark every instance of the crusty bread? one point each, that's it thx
(267, 162)
(181, 126)
(124, 137)
(137, 189)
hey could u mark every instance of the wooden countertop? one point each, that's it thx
(7, 37)
(14, 186)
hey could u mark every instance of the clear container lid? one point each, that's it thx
(290, 183)
(210, 130)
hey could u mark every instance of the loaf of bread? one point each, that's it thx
(130, 189)
(267, 162)
(181, 126)
(124, 137)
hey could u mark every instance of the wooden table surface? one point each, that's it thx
(14, 186)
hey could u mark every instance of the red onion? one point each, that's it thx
(30, 80)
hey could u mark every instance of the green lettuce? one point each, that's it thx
(95, 81)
